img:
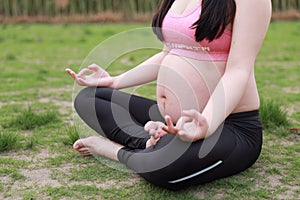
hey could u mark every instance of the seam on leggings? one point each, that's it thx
(197, 173)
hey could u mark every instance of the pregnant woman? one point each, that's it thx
(205, 123)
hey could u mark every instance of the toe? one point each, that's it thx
(81, 148)
(78, 144)
(85, 152)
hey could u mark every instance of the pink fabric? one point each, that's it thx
(180, 38)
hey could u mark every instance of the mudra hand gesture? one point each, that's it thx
(155, 129)
(97, 76)
(190, 127)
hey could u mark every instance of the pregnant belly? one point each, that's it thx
(184, 84)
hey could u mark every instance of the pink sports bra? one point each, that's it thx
(180, 38)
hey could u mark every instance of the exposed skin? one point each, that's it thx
(215, 89)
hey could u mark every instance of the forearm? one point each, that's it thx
(225, 98)
(143, 73)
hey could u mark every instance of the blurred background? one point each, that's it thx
(38, 126)
(104, 10)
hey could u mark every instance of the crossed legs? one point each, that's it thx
(115, 115)
(171, 163)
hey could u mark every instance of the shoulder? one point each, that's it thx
(254, 6)
(257, 2)
(252, 15)
(249, 29)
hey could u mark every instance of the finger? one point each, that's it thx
(84, 71)
(153, 125)
(156, 139)
(149, 125)
(151, 142)
(162, 133)
(82, 82)
(68, 70)
(195, 115)
(181, 121)
(155, 133)
(171, 128)
(71, 73)
(156, 136)
(152, 132)
(166, 129)
(94, 67)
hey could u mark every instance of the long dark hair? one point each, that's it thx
(215, 16)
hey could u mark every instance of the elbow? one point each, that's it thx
(238, 75)
(238, 69)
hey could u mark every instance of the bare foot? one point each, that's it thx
(81, 148)
(95, 145)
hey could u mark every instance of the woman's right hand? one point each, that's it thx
(98, 77)
(155, 129)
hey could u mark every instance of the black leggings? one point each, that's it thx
(171, 163)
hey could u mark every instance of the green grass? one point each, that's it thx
(8, 141)
(28, 120)
(72, 135)
(272, 115)
(37, 127)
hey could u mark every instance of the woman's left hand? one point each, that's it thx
(190, 127)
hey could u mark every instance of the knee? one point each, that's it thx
(104, 93)
(81, 98)
(86, 97)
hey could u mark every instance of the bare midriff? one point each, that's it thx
(185, 83)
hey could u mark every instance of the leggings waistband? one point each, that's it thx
(246, 114)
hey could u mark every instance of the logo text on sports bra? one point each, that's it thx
(186, 47)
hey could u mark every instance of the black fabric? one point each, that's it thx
(171, 163)
(117, 115)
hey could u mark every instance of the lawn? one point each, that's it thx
(38, 125)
